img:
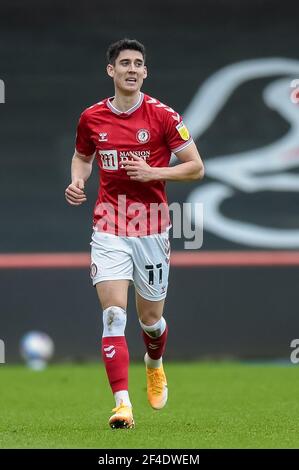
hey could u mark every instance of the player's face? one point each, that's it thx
(128, 72)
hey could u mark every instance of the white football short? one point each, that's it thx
(143, 260)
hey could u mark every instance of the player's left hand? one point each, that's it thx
(138, 170)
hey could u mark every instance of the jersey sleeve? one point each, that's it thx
(84, 143)
(177, 134)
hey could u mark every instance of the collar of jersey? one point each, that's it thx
(130, 111)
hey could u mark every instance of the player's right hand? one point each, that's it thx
(74, 193)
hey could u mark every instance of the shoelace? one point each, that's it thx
(156, 381)
(119, 407)
(115, 410)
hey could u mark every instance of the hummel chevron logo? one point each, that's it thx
(111, 354)
(153, 346)
(162, 105)
(176, 118)
(109, 348)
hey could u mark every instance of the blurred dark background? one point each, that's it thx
(53, 66)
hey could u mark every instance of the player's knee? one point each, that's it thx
(114, 321)
(150, 317)
(154, 329)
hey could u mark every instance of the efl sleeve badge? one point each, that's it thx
(183, 131)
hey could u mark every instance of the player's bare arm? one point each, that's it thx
(190, 168)
(81, 171)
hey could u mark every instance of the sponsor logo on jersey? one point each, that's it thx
(113, 160)
(109, 159)
(183, 131)
(103, 136)
(125, 156)
(143, 136)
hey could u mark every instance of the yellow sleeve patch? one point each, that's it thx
(183, 131)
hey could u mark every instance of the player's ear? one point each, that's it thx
(110, 70)
(145, 72)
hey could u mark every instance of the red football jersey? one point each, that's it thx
(151, 130)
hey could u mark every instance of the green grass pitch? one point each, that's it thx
(211, 405)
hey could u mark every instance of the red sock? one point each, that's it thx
(155, 346)
(116, 358)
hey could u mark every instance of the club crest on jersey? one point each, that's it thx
(143, 136)
(183, 131)
(103, 136)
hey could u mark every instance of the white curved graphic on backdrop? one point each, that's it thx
(247, 171)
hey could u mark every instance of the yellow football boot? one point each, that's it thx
(157, 391)
(122, 417)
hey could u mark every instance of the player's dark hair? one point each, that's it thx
(114, 49)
